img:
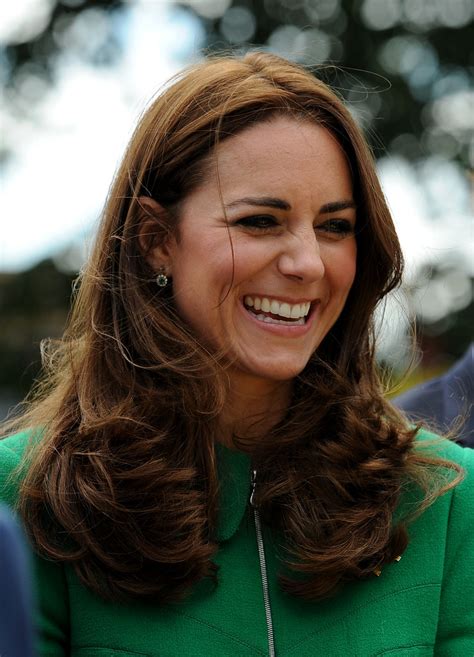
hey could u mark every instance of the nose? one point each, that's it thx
(301, 258)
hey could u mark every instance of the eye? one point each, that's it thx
(258, 222)
(336, 228)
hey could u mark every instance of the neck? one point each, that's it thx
(253, 407)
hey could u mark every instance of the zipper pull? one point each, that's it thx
(254, 484)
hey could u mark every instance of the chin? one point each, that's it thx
(280, 372)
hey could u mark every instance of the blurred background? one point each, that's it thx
(76, 74)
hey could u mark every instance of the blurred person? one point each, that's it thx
(446, 401)
(16, 630)
(210, 466)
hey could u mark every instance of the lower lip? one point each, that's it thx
(284, 330)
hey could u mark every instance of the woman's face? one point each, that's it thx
(268, 282)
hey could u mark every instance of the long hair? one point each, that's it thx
(122, 479)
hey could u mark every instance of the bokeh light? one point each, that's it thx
(381, 15)
(23, 20)
(238, 25)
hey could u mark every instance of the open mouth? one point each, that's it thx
(272, 311)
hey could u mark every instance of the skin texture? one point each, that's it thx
(295, 254)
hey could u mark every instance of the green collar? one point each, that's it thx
(234, 477)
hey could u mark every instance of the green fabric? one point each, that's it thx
(420, 606)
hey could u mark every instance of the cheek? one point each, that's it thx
(201, 279)
(341, 268)
(250, 258)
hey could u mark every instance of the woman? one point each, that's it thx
(216, 471)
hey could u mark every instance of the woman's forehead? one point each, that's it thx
(271, 152)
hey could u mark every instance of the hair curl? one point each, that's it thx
(123, 481)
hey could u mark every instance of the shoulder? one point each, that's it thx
(445, 495)
(13, 447)
(13, 461)
(450, 518)
(462, 504)
(431, 443)
(462, 495)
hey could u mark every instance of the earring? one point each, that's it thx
(162, 278)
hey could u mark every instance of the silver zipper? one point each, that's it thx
(263, 568)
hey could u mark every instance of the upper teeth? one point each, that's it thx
(282, 308)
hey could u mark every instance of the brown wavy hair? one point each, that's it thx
(122, 482)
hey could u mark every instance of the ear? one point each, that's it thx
(154, 235)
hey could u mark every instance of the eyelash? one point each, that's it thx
(340, 227)
(256, 222)
(265, 223)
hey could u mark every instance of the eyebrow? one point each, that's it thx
(280, 204)
(267, 201)
(337, 206)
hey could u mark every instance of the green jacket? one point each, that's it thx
(422, 605)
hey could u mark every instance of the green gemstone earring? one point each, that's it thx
(162, 278)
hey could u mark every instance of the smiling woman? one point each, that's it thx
(210, 466)
(286, 242)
